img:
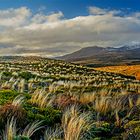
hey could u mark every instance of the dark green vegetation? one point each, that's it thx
(53, 100)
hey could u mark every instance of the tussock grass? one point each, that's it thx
(11, 130)
(41, 98)
(31, 128)
(102, 105)
(82, 103)
(53, 133)
(18, 101)
(75, 124)
(86, 98)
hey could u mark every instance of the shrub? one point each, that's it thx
(21, 138)
(49, 115)
(26, 75)
(102, 130)
(7, 74)
(7, 95)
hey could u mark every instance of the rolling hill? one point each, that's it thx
(98, 56)
(133, 70)
(45, 97)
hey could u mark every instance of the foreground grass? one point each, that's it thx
(43, 99)
(103, 117)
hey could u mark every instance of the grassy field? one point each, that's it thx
(45, 99)
(133, 70)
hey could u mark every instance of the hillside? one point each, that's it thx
(98, 56)
(133, 70)
(44, 99)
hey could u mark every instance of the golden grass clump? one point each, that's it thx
(86, 98)
(75, 124)
(41, 98)
(102, 105)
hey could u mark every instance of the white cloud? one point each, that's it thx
(14, 17)
(99, 11)
(52, 35)
(40, 18)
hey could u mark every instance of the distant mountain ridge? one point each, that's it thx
(126, 54)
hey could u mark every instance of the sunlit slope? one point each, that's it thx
(133, 70)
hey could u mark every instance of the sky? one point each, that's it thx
(57, 27)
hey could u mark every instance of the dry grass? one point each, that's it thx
(30, 129)
(75, 124)
(11, 129)
(133, 70)
(86, 98)
(18, 101)
(53, 134)
(14, 109)
(138, 102)
(62, 101)
(41, 98)
(102, 105)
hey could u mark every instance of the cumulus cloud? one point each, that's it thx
(14, 17)
(40, 18)
(99, 11)
(25, 33)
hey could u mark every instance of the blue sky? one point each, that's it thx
(72, 8)
(58, 27)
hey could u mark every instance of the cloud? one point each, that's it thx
(42, 8)
(99, 11)
(40, 18)
(51, 34)
(137, 14)
(14, 17)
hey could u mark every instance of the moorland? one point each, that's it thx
(46, 99)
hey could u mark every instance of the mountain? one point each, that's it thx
(99, 56)
(83, 53)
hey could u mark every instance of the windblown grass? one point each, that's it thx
(75, 124)
(11, 130)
